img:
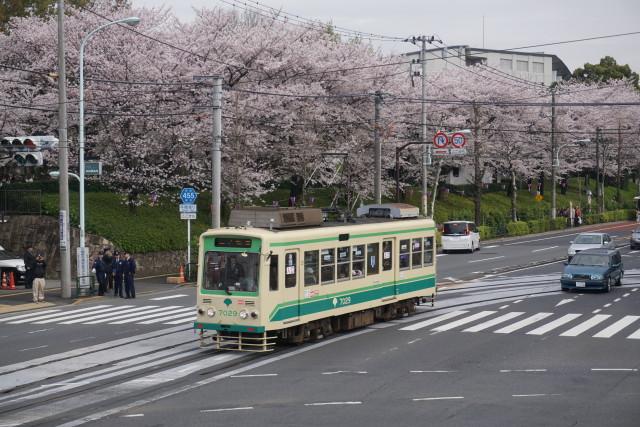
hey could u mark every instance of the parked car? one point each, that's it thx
(10, 262)
(589, 241)
(460, 235)
(593, 269)
(634, 240)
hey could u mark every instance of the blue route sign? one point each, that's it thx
(188, 195)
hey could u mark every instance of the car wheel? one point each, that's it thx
(472, 249)
(619, 282)
(609, 284)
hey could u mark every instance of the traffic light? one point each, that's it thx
(28, 158)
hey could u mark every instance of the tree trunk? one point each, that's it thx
(435, 189)
(514, 196)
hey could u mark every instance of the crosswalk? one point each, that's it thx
(539, 324)
(107, 314)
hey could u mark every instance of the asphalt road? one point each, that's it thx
(499, 348)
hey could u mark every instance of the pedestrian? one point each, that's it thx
(29, 265)
(107, 261)
(578, 215)
(101, 277)
(129, 272)
(39, 271)
(118, 268)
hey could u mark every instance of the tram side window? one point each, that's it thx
(273, 273)
(290, 270)
(357, 265)
(428, 251)
(404, 254)
(328, 261)
(373, 258)
(387, 255)
(311, 264)
(344, 263)
(416, 253)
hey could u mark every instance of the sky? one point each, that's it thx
(507, 23)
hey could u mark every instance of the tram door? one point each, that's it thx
(389, 271)
(292, 283)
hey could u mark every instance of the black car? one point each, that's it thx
(593, 269)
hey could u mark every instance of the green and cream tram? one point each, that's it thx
(278, 278)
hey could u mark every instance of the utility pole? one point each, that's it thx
(377, 149)
(63, 162)
(553, 153)
(426, 149)
(619, 171)
(598, 169)
(216, 155)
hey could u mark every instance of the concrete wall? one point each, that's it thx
(42, 232)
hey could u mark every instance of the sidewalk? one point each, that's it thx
(21, 299)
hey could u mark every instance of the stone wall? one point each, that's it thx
(42, 232)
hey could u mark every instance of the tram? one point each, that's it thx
(284, 275)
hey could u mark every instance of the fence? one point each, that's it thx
(20, 202)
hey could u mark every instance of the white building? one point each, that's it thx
(539, 68)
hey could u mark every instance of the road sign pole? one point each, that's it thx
(189, 246)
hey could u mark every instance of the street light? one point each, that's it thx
(133, 21)
(56, 175)
(577, 143)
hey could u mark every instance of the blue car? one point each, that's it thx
(597, 269)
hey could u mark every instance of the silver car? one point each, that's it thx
(590, 241)
(12, 263)
(634, 240)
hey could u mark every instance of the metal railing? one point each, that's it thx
(20, 202)
(85, 286)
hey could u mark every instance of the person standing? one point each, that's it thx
(129, 272)
(101, 277)
(118, 268)
(107, 262)
(29, 265)
(39, 271)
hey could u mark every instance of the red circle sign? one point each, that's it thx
(458, 140)
(440, 140)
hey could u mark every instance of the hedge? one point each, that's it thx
(517, 228)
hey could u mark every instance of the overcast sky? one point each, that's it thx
(508, 23)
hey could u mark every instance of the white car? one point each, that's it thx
(460, 236)
(12, 263)
(589, 241)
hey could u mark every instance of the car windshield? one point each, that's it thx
(231, 272)
(454, 228)
(588, 239)
(637, 231)
(590, 259)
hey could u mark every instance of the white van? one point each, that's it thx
(460, 236)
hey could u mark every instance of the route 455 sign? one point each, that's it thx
(188, 195)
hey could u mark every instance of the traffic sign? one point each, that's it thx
(458, 140)
(458, 151)
(187, 215)
(188, 195)
(188, 208)
(93, 168)
(440, 140)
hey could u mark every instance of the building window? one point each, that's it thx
(328, 262)
(344, 263)
(506, 64)
(357, 267)
(310, 268)
(290, 270)
(538, 67)
(522, 66)
(373, 262)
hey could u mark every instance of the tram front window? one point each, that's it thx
(231, 272)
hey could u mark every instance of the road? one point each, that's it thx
(499, 348)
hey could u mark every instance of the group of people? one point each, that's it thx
(112, 271)
(35, 271)
(572, 214)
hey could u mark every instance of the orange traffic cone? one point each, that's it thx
(4, 280)
(12, 281)
(182, 279)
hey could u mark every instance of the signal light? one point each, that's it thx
(28, 158)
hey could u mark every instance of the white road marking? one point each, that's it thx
(523, 323)
(486, 259)
(493, 322)
(439, 255)
(616, 327)
(345, 372)
(607, 305)
(332, 403)
(634, 289)
(616, 300)
(517, 301)
(81, 339)
(491, 247)
(38, 313)
(534, 395)
(164, 319)
(442, 288)
(615, 369)
(146, 316)
(422, 399)
(414, 341)
(503, 307)
(253, 375)
(39, 330)
(635, 335)
(544, 249)
(451, 279)
(430, 372)
(626, 295)
(243, 408)
(522, 370)
(564, 301)
(555, 324)
(463, 321)
(34, 348)
(131, 313)
(113, 314)
(433, 320)
(598, 310)
(586, 325)
(169, 297)
(633, 252)
(62, 315)
(133, 415)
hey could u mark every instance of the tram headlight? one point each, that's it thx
(244, 314)
(254, 314)
(200, 311)
(211, 312)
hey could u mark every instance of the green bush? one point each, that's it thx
(517, 228)
(486, 232)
